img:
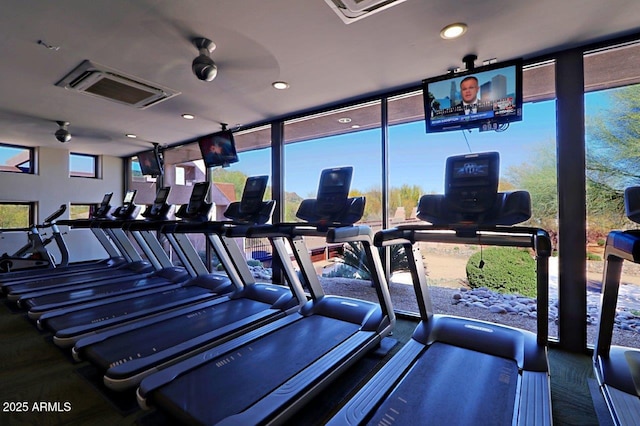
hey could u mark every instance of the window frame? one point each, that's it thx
(31, 160)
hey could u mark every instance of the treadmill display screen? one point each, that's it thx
(252, 194)
(199, 192)
(162, 195)
(106, 199)
(468, 169)
(333, 189)
(129, 196)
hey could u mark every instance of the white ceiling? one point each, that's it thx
(258, 41)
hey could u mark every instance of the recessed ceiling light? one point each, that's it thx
(188, 116)
(280, 85)
(453, 31)
(344, 120)
(355, 126)
(131, 135)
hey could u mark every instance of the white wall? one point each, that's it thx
(52, 186)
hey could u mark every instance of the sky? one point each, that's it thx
(415, 158)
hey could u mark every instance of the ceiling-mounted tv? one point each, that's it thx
(150, 163)
(484, 98)
(218, 149)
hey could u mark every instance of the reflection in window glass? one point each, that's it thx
(16, 159)
(83, 165)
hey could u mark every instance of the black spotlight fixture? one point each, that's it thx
(203, 66)
(62, 134)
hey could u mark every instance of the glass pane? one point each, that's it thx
(79, 211)
(416, 167)
(612, 150)
(14, 215)
(143, 184)
(81, 165)
(345, 137)
(16, 159)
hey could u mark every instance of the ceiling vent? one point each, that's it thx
(354, 10)
(97, 80)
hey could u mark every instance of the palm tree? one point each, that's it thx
(355, 257)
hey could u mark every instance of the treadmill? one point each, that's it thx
(131, 352)
(115, 258)
(164, 272)
(453, 370)
(72, 323)
(44, 285)
(617, 368)
(80, 323)
(269, 373)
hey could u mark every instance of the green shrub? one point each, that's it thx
(506, 270)
(593, 256)
(253, 262)
(601, 242)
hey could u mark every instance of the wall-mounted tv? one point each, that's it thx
(150, 163)
(484, 98)
(218, 149)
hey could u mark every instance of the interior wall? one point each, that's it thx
(52, 186)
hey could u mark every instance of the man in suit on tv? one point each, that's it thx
(470, 103)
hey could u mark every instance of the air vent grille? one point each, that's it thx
(96, 80)
(353, 10)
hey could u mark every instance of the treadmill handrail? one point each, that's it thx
(293, 229)
(505, 236)
(512, 236)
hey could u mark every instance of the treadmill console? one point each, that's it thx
(471, 195)
(333, 190)
(103, 209)
(251, 209)
(159, 210)
(197, 209)
(128, 210)
(471, 182)
(333, 205)
(252, 194)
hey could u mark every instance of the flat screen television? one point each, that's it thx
(485, 98)
(218, 149)
(150, 163)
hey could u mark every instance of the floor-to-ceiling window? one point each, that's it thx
(344, 137)
(527, 162)
(612, 101)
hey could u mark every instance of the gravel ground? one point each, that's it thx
(404, 299)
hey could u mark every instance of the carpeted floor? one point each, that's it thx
(34, 371)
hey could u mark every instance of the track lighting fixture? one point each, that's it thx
(203, 66)
(62, 134)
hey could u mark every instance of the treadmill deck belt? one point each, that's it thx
(233, 382)
(450, 385)
(147, 341)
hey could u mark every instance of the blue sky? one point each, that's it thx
(415, 157)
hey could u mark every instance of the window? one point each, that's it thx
(16, 215)
(612, 99)
(81, 211)
(16, 159)
(83, 165)
(343, 137)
